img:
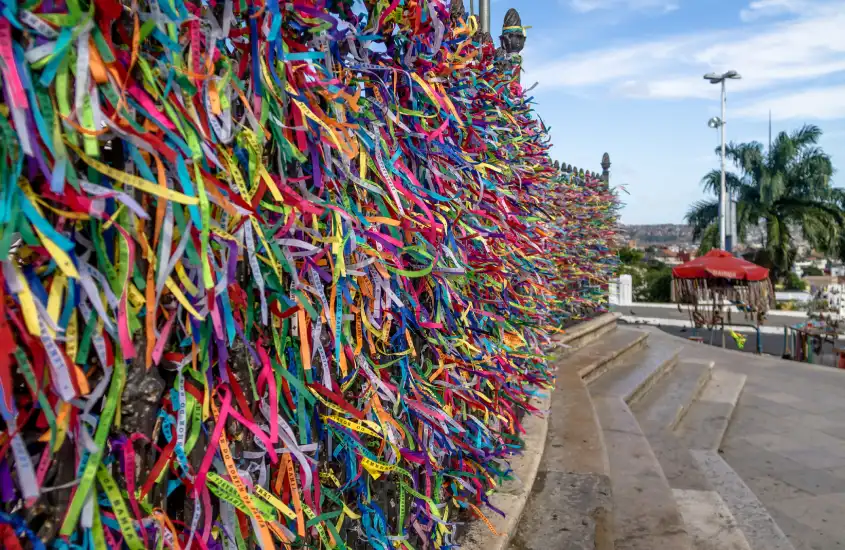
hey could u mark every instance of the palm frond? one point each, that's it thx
(700, 215)
(747, 216)
(787, 188)
(712, 182)
(810, 174)
(709, 239)
(807, 135)
(771, 186)
(748, 157)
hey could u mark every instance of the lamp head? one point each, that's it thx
(714, 122)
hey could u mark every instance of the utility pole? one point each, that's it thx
(484, 15)
(724, 242)
(723, 203)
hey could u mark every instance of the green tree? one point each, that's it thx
(631, 256)
(794, 282)
(785, 188)
(658, 284)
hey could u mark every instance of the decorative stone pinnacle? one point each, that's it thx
(605, 167)
(513, 35)
(483, 37)
(457, 11)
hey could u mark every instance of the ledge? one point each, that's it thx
(586, 332)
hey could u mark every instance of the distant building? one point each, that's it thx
(668, 257)
(687, 255)
(800, 267)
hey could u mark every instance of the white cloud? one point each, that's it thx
(819, 103)
(775, 55)
(584, 6)
(606, 66)
(760, 9)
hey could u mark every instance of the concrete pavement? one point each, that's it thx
(787, 442)
(775, 318)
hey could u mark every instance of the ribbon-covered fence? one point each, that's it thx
(274, 274)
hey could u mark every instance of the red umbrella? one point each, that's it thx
(720, 264)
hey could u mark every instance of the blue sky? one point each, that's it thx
(625, 76)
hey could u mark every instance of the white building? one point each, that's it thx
(622, 290)
(799, 267)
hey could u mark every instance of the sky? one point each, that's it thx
(625, 77)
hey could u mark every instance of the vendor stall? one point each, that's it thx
(711, 284)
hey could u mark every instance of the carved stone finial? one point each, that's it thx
(513, 35)
(605, 168)
(483, 37)
(556, 165)
(457, 11)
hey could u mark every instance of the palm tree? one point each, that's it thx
(784, 189)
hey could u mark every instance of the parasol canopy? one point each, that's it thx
(718, 264)
(719, 278)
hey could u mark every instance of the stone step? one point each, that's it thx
(631, 378)
(669, 400)
(759, 529)
(660, 411)
(582, 334)
(706, 422)
(706, 518)
(594, 359)
(570, 504)
(709, 521)
(646, 516)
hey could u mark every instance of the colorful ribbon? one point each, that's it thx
(274, 274)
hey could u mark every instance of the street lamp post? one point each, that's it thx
(720, 79)
(716, 124)
(484, 15)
